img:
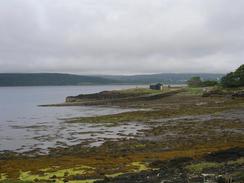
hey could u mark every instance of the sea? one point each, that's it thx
(26, 127)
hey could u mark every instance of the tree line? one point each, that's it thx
(230, 80)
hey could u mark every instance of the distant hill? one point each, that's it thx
(56, 79)
(165, 78)
(49, 79)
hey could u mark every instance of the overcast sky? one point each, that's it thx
(121, 36)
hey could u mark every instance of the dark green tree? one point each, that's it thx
(240, 75)
(234, 79)
(209, 83)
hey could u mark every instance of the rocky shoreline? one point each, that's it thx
(189, 138)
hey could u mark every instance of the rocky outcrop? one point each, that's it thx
(221, 92)
(238, 94)
(104, 95)
(214, 93)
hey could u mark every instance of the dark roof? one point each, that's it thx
(158, 84)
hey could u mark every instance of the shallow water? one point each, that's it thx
(24, 126)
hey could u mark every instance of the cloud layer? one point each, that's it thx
(121, 36)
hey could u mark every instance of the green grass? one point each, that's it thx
(141, 91)
(194, 91)
(239, 161)
(200, 167)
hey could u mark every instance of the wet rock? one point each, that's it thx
(230, 154)
(238, 94)
(221, 180)
(168, 172)
(53, 177)
(36, 180)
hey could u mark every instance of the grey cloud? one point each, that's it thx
(121, 37)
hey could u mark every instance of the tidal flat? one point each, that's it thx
(179, 136)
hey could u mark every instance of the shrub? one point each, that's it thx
(197, 82)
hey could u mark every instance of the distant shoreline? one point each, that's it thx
(55, 79)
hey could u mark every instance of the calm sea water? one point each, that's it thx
(24, 126)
